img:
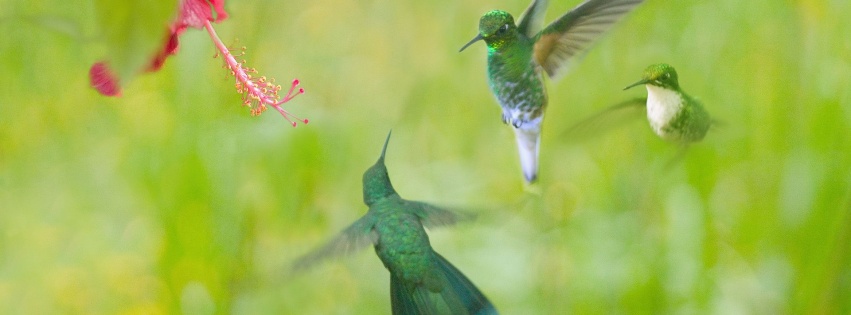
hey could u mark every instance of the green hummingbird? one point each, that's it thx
(674, 115)
(421, 281)
(518, 54)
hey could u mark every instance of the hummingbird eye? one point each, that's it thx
(503, 29)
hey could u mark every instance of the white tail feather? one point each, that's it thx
(528, 141)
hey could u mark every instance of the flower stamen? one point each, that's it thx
(257, 92)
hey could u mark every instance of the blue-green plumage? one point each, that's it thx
(461, 297)
(421, 281)
(519, 55)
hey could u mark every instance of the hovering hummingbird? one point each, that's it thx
(517, 54)
(674, 115)
(421, 281)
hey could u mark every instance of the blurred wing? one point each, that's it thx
(432, 216)
(532, 20)
(714, 123)
(606, 120)
(352, 239)
(565, 39)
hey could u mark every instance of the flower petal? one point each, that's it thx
(170, 49)
(194, 13)
(103, 80)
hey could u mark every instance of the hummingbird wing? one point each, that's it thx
(607, 119)
(354, 238)
(570, 35)
(432, 216)
(532, 20)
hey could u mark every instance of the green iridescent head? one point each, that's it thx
(495, 27)
(495, 23)
(661, 75)
(376, 181)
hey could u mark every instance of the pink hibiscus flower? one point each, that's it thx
(258, 92)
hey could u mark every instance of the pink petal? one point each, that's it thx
(103, 80)
(194, 13)
(170, 49)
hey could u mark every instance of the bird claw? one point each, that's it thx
(516, 123)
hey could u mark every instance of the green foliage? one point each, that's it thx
(173, 199)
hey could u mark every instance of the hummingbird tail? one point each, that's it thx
(455, 294)
(528, 141)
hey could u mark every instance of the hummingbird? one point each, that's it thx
(674, 115)
(421, 280)
(519, 54)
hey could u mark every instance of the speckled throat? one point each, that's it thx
(518, 85)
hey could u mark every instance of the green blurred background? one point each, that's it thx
(172, 199)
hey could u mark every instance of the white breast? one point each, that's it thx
(662, 106)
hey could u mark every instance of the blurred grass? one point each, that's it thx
(171, 199)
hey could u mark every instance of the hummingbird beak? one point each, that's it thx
(475, 39)
(643, 81)
(381, 159)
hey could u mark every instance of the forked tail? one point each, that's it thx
(453, 294)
